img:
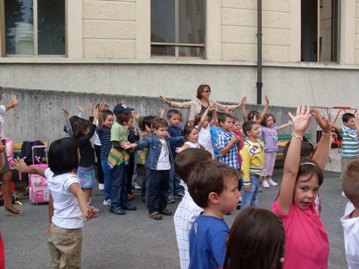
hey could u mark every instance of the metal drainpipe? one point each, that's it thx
(259, 52)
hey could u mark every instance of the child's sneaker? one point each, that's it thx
(265, 184)
(94, 209)
(170, 199)
(136, 186)
(155, 216)
(272, 182)
(166, 212)
(107, 202)
(101, 186)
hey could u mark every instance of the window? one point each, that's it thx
(319, 30)
(177, 28)
(35, 27)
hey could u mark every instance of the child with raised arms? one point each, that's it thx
(306, 236)
(68, 208)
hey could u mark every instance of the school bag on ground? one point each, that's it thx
(38, 189)
(31, 156)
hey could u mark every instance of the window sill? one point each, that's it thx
(172, 61)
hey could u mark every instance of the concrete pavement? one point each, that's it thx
(135, 241)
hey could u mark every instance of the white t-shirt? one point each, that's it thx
(67, 213)
(192, 145)
(351, 237)
(204, 138)
(185, 215)
(96, 140)
(164, 159)
(2, 121)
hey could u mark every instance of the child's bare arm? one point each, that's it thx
(214, 120)
(291, 164)
(321, 153)
(76, 190)
(264, 111)
(180, 149)
(244, 108)
(335, 127)
(203, 118)
(22, 167)
(285, 125)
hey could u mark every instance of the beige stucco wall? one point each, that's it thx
(357, 33)
(239, 29)
(109, 29)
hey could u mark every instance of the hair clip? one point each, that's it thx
(310, 163)
(281, 259)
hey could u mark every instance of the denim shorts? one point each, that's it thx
(87, 177)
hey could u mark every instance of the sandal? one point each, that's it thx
(166, 212)
(12, 212)
(155, 216)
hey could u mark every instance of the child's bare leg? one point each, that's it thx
(2, 160)
(87, 193)
(6, 188)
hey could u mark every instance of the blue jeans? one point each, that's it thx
(157, 186)
(118, 186)
(251, 197)
(107, 178)
(144, 190)
(174, 182)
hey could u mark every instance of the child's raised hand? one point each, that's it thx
(101, 106)
(14, 101)
(80, 108)
(136, 115)
(323, 122)
(267, 99)
(301, 120)
(161, 111)
(66, 112)
(20, 165)
(244, 101)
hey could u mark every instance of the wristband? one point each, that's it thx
(327, 134)
(297, 136)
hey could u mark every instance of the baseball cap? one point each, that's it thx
(122, 108)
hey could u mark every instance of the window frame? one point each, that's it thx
(36, 38)
(177, 45)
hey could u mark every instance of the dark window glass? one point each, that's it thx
(163, 21)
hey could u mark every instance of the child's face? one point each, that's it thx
(237, 126)
(108, 122)
(350, 123)
(229, 198)
(161, 132)
(174, 120)
(227, 125)
(305, 191)
(255, 132)
(193, 136)
(270, 122)
(130, 123)
(86, 131)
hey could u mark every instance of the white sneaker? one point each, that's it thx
(265, 184)
(107, 202)
(272, 182)
(101, 186)
(136, 186)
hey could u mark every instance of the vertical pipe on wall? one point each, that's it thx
(259, 52)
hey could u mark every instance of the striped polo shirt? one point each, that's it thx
(350, 144)
(105, 138)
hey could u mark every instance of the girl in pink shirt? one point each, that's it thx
(307, 244)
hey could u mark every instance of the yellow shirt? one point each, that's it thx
(252, 155)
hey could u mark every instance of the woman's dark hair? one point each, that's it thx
(201, 88)
(256, 241)
(187, 130)
(266, 116)
(63, 155)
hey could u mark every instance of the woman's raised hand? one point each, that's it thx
(164, 99)
(301, 120)
(323, 122)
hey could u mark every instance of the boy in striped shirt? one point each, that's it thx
(350, 142)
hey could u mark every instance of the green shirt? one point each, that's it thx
(119, 133)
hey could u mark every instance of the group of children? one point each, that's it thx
(211, 165)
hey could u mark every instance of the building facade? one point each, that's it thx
(168, 47)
